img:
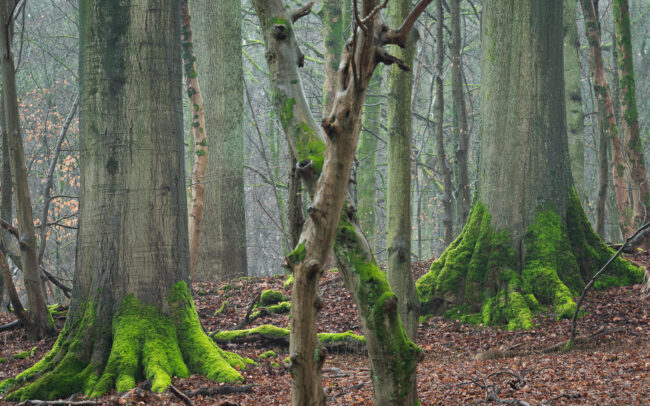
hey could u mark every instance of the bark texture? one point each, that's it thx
(573, 97)
(398, 205)
(527, 244)
(630, 120)
(41, 324)
(447, 200)
(197, 180)
(464, 200)
(219, 59)
(607, 119)
(131, 316)
(325, 170)
(332, 19)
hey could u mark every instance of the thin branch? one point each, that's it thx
(301, 12)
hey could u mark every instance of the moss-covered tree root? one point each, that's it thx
(478, 277)
(142, 343)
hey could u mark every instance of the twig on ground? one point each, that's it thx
(584, 338)
(181, 395)
(249, 310)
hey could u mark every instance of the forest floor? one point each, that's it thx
(612, 370)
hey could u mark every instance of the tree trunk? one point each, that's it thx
(5, 188)
(332, 19)
(367, 156)
(325, 169)
(398, 207)
(42, 324)
(447, 199)
(197, 180)
(573, 97)
(606, 109)
(464, 200)
(630, 119)
(131, 316)
(219, 59)
(527, 242)
(295, 212)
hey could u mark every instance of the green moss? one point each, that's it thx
(280, 308)
(298, 254)
(25, 354)
(2, 360)
(274, 365)
(287, 284)
(268, 354)
(271, 297)
(348, 336)
(265, 330)
(310, 146)
(220, 310)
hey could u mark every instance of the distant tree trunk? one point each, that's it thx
(630, 119)
(606, 111)
(332, 20)
(6, 212)
(603, 174)
(197, 180)
(219, 59)
(131, 316)
(573, 97)
(367, 156)
(527, 242)
(42, 323)
(398, 205)
(464, 200)
(447, 199)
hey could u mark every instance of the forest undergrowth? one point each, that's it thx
(464, 364)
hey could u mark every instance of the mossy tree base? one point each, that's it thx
(142, 343)
(479, 277)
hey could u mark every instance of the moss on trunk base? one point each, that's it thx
(145, 343)
(478, 273)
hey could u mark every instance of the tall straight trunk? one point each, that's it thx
(197, 179)
(606, 110)
(131, 316)
(447, 200)
(573, 97)
(464, 200)
(332, 20)
(219, 59)
(42, 324)
(325, 169)
(398, 205)
(367, 156)
(6, 207)
(603, 174)
(527, 241)
(630, 119)
(295, 211)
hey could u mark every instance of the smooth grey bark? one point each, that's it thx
(398, 205)
(573, 97)
(217, 43)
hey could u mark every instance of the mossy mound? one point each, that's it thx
(271, 297)
(143, 343)
(477, 278)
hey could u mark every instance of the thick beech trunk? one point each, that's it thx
(630, 119)
(219, 60)
(464, 200)
(398, 205)
(573, 97)
(41, 324)
(527, 243)
(447, 200)
(131, 316)
(608, 119)
(197, 179)
(325, 169)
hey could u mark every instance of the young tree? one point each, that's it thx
(219, 59)
(630, 121)
(325, 169)
(527, 241)
(40, 323)
(131, 316)
(464, 202)
(398, 205)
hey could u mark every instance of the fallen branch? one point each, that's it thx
(218, 390)
(249, 310)
(181, 395)
(574, 320)
(551, 402)
(583, 339)
(10, 326)
(56, 282)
